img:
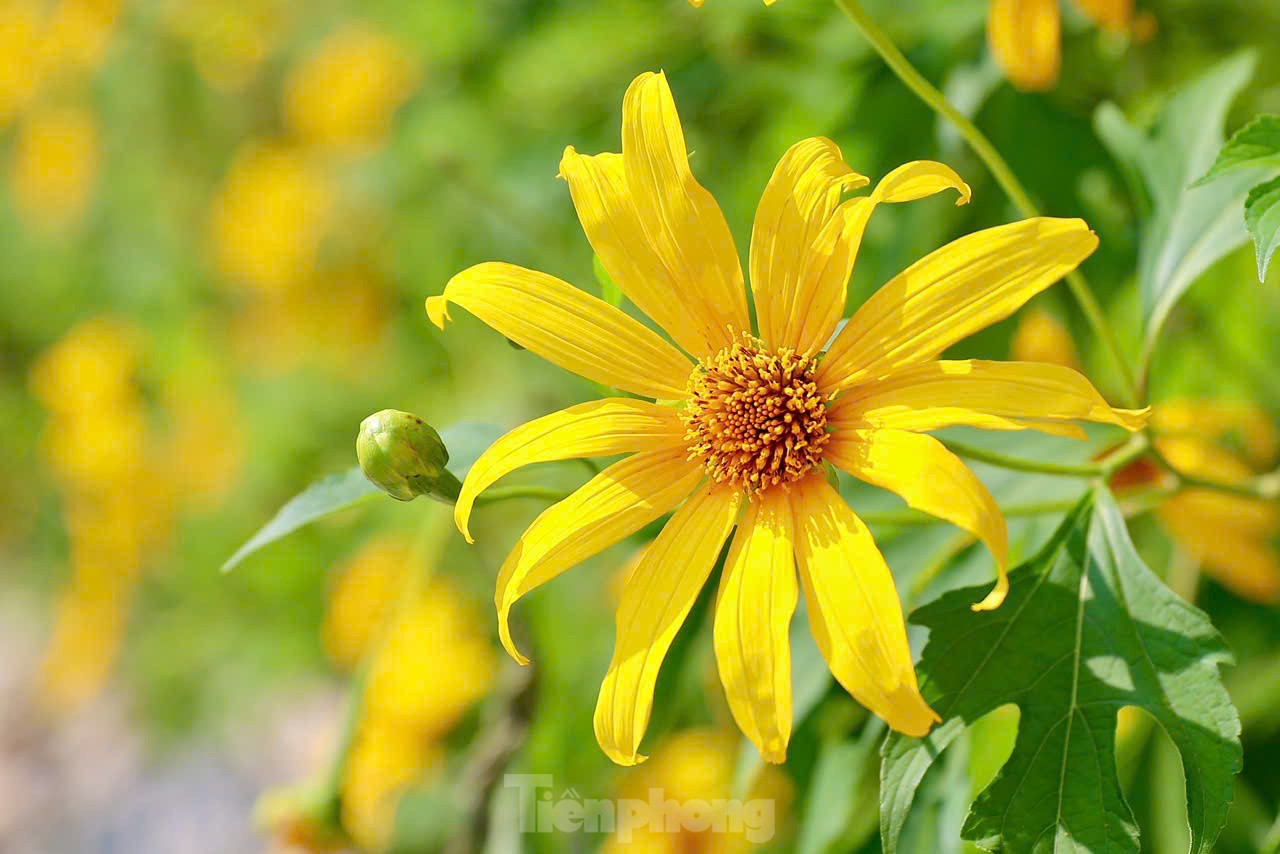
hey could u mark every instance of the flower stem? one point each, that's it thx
(929, 94)
(915, 517)
(982, 455)
(508, 493)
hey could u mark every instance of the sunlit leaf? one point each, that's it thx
(1255, 144)
(1087, 630)
(1262, 218)
(1190, 227)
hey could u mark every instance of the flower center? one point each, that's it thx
(756, 418)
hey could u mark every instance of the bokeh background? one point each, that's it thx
(218, 223)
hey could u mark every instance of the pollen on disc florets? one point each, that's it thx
(755, 417)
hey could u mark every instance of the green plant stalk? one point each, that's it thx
(915, 517)
(994, 458)
(1000, 170)
(509, 493)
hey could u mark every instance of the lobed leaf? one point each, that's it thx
(1086, 630)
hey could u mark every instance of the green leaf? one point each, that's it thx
(333, 493)
(1257, 144)
(1262, 218)
(465, 441)
(1190, 228)
(1086, 630)
(609, 290)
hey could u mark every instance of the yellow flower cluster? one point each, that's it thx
(228, 41)
(274, 220)
(427, 664)
(47, 54)
(96, 444)
(122, 482)
(1229, 535)
(689, 767)
(45, 48)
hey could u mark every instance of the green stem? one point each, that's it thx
(1017, 464)
(1262, 488)
(509, 493)
(915, 517)
(1000, 170)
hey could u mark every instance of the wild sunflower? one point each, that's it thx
(1025, 35)
(1230, 535)
(743, 434)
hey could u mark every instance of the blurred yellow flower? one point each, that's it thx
(362, 598)
(760, 416)
(282, 332)
(98, 445)
(228, 41)
(1042, 337)
(690, 769)
(1232, 536)
(429, 664)
(20, 26)
(42, 43)
(54, 167)
(268, 218)
(346, 92)
(1025, 35)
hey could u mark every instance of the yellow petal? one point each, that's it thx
(854, 611)
(810, 304)
(918, 179)
(800, 198)
(597, 429)
(1230, 535)
(1024, 36)
(608, 215)
(1245, 422)
(931, 479)
(991, 395)
(567, 327)
(1112, 14)
(757, 598)
(952, 293)
(681, 219)
(654, 603)
(612, 505)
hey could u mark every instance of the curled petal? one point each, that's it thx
(599, 428)
(931, 479)
(614, 504)
(854, 611)
(655, 602)
(567, 327)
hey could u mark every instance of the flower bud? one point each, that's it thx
(403, 456)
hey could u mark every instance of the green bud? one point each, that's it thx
(403, 456)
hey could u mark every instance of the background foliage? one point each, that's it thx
(217, 226)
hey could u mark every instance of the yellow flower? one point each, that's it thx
(1230, 535)
(268, 219)
(347, 91)
(748, 428)
(431, 665)
(1025, 35)
(1041, 337)
(689, 767)
(362, 598)
(54, 167)
(698, 3)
